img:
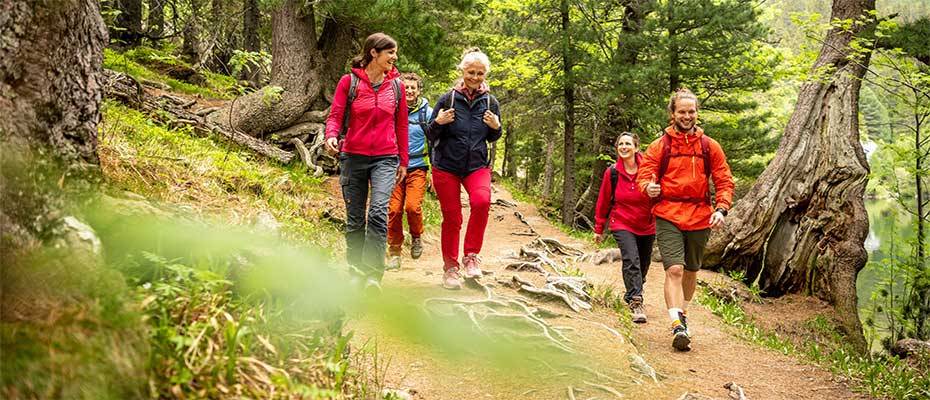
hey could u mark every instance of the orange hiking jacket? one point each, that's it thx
(685, 178)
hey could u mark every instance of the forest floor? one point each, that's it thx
(718, 356)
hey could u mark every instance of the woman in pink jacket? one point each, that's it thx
(628, 214)
(370, 136)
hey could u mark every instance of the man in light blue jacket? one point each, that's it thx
(408, 194)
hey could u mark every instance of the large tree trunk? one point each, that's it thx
(568, 158)
(50, 63)
(617, 118)
(156, 18)
(802, 226)
(191, 47)
(250, 40)
(295, 77)
(129, 22)
(509, 168)
(549, 174)
(336, 45)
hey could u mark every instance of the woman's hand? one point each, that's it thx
(491, 120)
(445, 116)
(598, 238)
(400, 174)
(332, 146)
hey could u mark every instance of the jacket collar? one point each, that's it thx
(362, 75)
(422, 103)
(472, 94)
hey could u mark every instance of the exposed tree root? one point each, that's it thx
(523, 220)
(173, 111)
(554, 246)
(600, 257)
(504, 203)
(736, 392)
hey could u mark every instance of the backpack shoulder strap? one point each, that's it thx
(398, 96)
(705, 152)
(614, 177)
(666, 155)
(353, 92)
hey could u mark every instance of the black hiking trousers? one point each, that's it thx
(637, 254)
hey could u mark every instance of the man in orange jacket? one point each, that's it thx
(677, 169)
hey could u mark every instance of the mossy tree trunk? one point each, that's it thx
(304, 69)
(802, 226)
(50, 64)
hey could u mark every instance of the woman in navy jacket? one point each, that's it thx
(464, 121)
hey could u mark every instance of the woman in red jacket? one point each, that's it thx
(371, 138)
(631, 222)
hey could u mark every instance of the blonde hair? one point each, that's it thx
(474, 54)
(678, 95)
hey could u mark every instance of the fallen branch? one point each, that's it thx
(605, 388)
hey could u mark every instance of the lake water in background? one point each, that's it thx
(890, 230)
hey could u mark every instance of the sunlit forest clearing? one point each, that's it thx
(172, 225)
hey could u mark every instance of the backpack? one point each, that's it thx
(614, 177)
(451, 104)
(667, 156)
(422, 121)
(353, 92)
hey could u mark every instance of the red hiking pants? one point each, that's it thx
(407, 197)
(448, 189)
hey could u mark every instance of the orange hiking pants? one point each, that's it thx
(407, 197)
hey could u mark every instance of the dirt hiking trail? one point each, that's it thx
(605, 366)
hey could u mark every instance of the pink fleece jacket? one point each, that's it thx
(376, 126)
(631, 211)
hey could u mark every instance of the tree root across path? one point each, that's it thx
(176, 112)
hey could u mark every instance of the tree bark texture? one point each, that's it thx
(802, 226)
(509, 168)
(294, 70)
(51, 53)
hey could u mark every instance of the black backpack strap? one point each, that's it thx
(353, 91)
(614, 177)
(398, 96)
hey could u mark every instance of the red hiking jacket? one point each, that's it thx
(374, 129)
(685, 177)
(632, 209)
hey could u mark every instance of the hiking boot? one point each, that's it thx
(683, 317)
(451, 279)
(416, 248)
(637, 310)
(681, 340)
(471, 264)
(393, 262)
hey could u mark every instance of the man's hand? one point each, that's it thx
(400, 175)
(653, 189)
(716, 220)
(332, 146)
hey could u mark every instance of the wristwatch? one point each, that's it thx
(722, 211)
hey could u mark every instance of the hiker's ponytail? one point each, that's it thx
(377, 41)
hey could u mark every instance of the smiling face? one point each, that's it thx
(473, 74)
(626, 147)
(384, 59)
(685, 114)
(411, 91)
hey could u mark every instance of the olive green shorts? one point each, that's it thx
(680, 247)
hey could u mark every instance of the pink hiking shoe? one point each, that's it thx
(471, 264)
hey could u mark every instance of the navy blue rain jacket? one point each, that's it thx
(461, 147)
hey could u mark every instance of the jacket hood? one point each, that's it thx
(361, 74)
(482, 89)
(423, 103)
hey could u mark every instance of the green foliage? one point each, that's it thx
(879, 376)
(69, 329)
(134, 63)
